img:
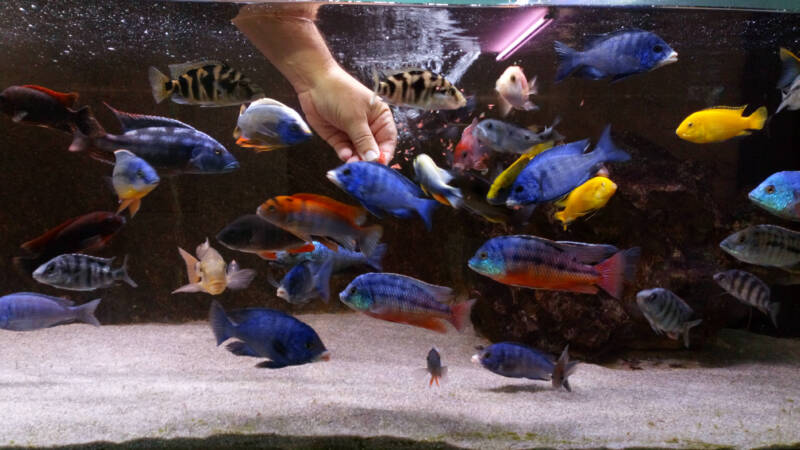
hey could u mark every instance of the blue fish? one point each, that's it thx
(615, 55)
(383, 190)
(342, 258)
(266, 333)
(305, 281)
(555, 172)
(779, 194)
(513, 360)
(268, 124)
(435, 367)
(28, 311)
(132, 179)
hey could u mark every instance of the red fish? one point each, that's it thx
(44, 107)
(469, 153)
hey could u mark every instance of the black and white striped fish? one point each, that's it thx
(418, 88)
(750, 290)
(667, 313)
(765, 245)
(204, 83)
(77, 272)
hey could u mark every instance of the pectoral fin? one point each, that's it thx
(194, 287)
(191, 266)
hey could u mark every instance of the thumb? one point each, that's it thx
(361, 137)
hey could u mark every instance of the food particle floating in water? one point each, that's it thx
(514, 360)
(268, 124)
(765, 245)
(78, 272)
(433, 181)
(435, 367)
(204, 83)
(584, 199)
(44, 107)
(508, 138)
(418, 88)
(266, 333)
(779, 194)
(667, 313)
(208, 272)
(514, 91)
(28, 311)
(252, 234)
(616, 55)
(306, 281)
(720, 123)
(342, 258)
(789, 84)
(133, 179)
(750, 290)
(498, 192)
(470, 154)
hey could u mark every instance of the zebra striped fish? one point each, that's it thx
(750, 290)
(204, 83)
(765, 245)
(77, 272)
(667, 313)
(417, 88)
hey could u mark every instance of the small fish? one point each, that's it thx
(667, 313)
(28, 311)
(555, 172)
(779, 194)
(584, 199)
(514, 360)
(750, 290)
(342, 258)
(616, 55)
(417, 88)
(507, 138)
(514, 91)
(44, 107)
(765, 245)
(305, 282)
(311, 215)
(77, 272)
(133, 179)
(789, 84)
(402, 299)
(268, 124)
(470, 154)
(433, 181)
(208, 272)
(720, 123)
(435, 367)
(498, 192)
(266, 333)
(538, 263)
(252, 234)
(204, 83)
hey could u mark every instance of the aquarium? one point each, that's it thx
(467, 225)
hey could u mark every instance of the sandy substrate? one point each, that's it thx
(77, 384)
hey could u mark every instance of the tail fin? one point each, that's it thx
(370, 236)
(618, 269)
(563, 369)
(85, 312)
(568, 58)
(503, 106)
(237, 278)
(758, 118)
(123, 273)
(87, 124)
(460, 313)
(689, 326)
(774, 308)
(425, 210)
(790, 68)
(80, 142)
(609, 151)
(237, 132)
(322, 280)
(454, 197)
(375, 259)
(160, 84)
(220, 324)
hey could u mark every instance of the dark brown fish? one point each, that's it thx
(40, 106)
(204, 83)
(252, 234)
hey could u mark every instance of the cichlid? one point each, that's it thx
(765, 245)
(779, 194)
(507, 138)
(417, 88)
(268, 124)
(132, 179)
(402, 299)
(499, 190)
(204, 83)
(514, 360)
(77, 272)
(383, 190)
(311, 216)
(474, 190)
(208, 272)
(44, 107)
(514, 91)
(557, 171)
(586, 198)
(304, 282)
(616, 55)
(470, 154)
(433, 181)
(28, 311)
(435, 367)
(266, 333)
(750, 290)
(342, 258)
(789, 83)
(252, 234)
(538, 263)
(720, 123)
(667, 313)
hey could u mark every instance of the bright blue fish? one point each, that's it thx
(132, 179)
(514, 360)
(28, 311)
(306, 281)
(342, 258)
(615, 55)
(266, 333)
(383, 190)
(779, 194)
(557, 171)
(268, 124)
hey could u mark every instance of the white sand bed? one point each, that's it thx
(76, 384)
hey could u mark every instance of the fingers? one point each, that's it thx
(361, 136)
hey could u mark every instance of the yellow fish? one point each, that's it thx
(720, 123)
(590, 196)
(507, 177)
(210, 274)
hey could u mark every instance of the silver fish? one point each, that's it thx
(433, 181)
(418, 88)
(750, 290)
(204, 83)
(508, 138)
(28, 311)
(765, 245)
(667, 313)
(77, 272)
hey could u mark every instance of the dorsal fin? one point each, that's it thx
(67, 99)
(268, 102)
(130, 121)
(356, 214)
(441, 293)
(732, 108)
(35, 245)
(790, 68)
(595, 39)
(588, 253)
(176, 70)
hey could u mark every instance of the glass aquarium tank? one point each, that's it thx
(467, 224)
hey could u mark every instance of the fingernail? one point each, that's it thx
(371, 155)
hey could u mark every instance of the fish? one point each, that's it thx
(514, 91)
(616, 55)
(789, 83)
(311, 215)
(474, 190)
(555, 172)
(720, 123)
(538, 263)
(382, 190)
(268, 124)
(132, 179)
(203, 83)
(252, 234)
(44, 107)
(435, 367)
(170, 146)
(208, 272)
(342, 258)
(584, 199)
(779, 194)
(667, 313)
(470, 154)
(504, 137)
(499, 190)
(750, 290)
(29, 311)
(765, 245)
(514, 360)
(266, 333)
(402, 299)
(417, 88)
(306, 281)
(433, 181)
(77, 272)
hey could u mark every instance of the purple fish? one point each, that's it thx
(28, 311)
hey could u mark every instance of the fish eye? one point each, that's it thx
(464, 155)
(740, 239)
(452, 91)
(770, 189)
(483, 255)
(518, 189)
(690, 125)
(218, 152)
(487, 355)
(271, 208)
(346, 172)
(489, 125)
(50, 269)
(139, 173)
(309, 345)
(658, 49)
(513, 79)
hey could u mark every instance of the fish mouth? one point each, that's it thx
(231, 166)
(324, 356)
(476, 359)
(671, 58)
(282, 293)
(511, 203)
(331, 175)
